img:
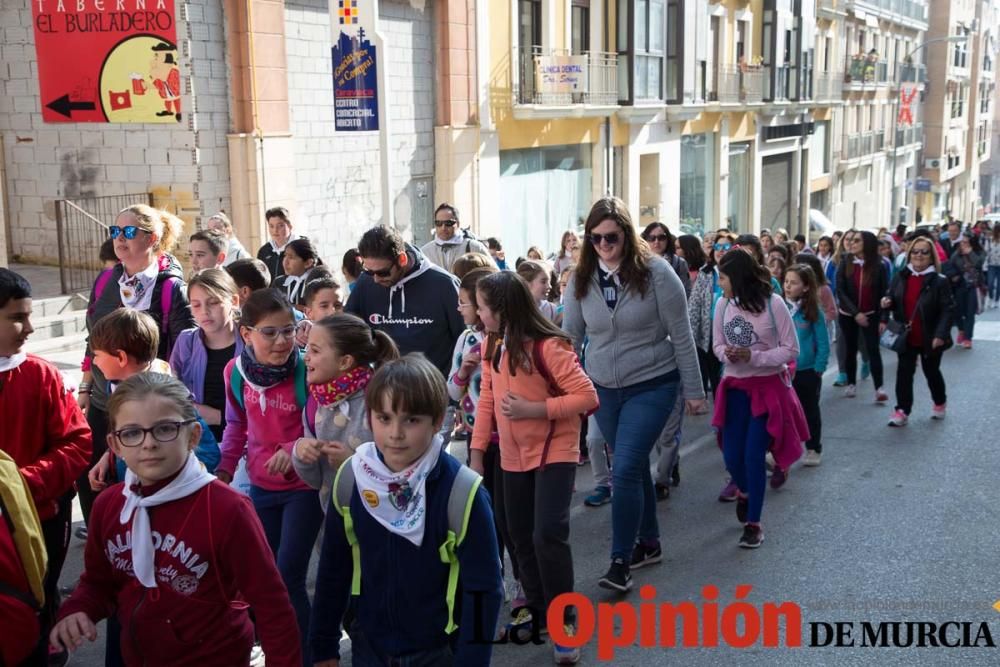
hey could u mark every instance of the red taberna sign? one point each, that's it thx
(107, 61)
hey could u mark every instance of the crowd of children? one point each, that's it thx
(226, 425)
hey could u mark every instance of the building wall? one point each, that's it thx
(337, 175)
(184, 165)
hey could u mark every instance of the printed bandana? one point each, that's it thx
(346, 385)
(395, 499)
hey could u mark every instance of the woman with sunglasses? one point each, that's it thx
(862, 281)
(630, 307)
(449, 242)
(148, 279)
(661, 242)
(921, 299)
(266, 390)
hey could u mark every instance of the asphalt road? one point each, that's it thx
(896, 525)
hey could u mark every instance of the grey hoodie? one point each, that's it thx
(643, 338)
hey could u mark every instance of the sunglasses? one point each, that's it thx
(723, 246)
(380, 273)
(611, 239)
(920, 251)
(657, 238)
(128, 231)
(445, 223)
(272, 333)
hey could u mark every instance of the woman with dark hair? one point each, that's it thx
(688, 248)
(965, 271)
(752, 244)
(298, 260)
(756, 409)
(661, 242)
(705, 293)
(920, 298)
(630, 306)
(862, 281)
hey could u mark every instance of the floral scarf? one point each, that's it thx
(262, 375)
(345, 385)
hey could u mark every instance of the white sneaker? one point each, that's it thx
(881, 396)
(812, 458)
(939, 411)
(851, 391)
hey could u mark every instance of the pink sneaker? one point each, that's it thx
(960, 339)
(967, 344)
(939, 411)
(898, 418)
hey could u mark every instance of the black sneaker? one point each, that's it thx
(643, 555)
(742, 506)
(675, 476)
(752, 538)
(662, 491)
(618, 577)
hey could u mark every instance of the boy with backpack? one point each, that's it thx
(400, 505)
(45, 434)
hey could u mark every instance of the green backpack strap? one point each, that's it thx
(301, 385)
(343, 489)
(460, 499)
(236, 386)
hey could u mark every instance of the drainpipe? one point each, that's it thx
(255, 113)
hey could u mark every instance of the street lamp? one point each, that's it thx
(951, 39)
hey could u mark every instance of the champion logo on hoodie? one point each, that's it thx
(376, 319)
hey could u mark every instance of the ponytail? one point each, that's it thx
(385, 348)
(351, 335)
(173, 227)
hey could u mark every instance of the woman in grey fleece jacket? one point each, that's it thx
(631, 309)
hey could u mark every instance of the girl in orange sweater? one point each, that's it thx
(535, 392)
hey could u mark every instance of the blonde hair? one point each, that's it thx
(227, 224)
(165, 225)
(143, 385)
(935, 260)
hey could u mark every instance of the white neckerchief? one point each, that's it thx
(191, 479)
(457, 239)
(859, 262)
(612, 273)
(12, 362)
(261, 399)
(274, 246)
(913, 271)
(395, 499)
(295, 284)
(793, 306)
(137, 291)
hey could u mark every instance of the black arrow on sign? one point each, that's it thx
(66, 107)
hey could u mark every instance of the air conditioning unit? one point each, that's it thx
(933, 163)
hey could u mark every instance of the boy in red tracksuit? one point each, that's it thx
(176, 555)
(43, 430)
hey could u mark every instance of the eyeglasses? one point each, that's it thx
(378, 273)
(272, 333)
(129, 231)
(723, 246)
(921, 251)
(610, 239)
(657, 238)
(445, 223)
(133, 436)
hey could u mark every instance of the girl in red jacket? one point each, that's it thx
(178, 556)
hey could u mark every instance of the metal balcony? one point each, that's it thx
(829, 86)
(557, 78)
(740, 85)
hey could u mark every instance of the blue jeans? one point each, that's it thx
(745, 441)
(291, 521)
(993, 282)
(631, 419)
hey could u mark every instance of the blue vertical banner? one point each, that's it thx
(355, 63)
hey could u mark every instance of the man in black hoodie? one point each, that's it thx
(403, 294)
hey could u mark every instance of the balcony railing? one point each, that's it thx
(862, 144)
(782, 84)
(829, 86)
(909, 9)
(909, 73)
(741, 84)
(866, 71)
(913, 134)
(556, 77)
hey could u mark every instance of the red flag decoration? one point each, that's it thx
(907, 93)
(120, 100)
